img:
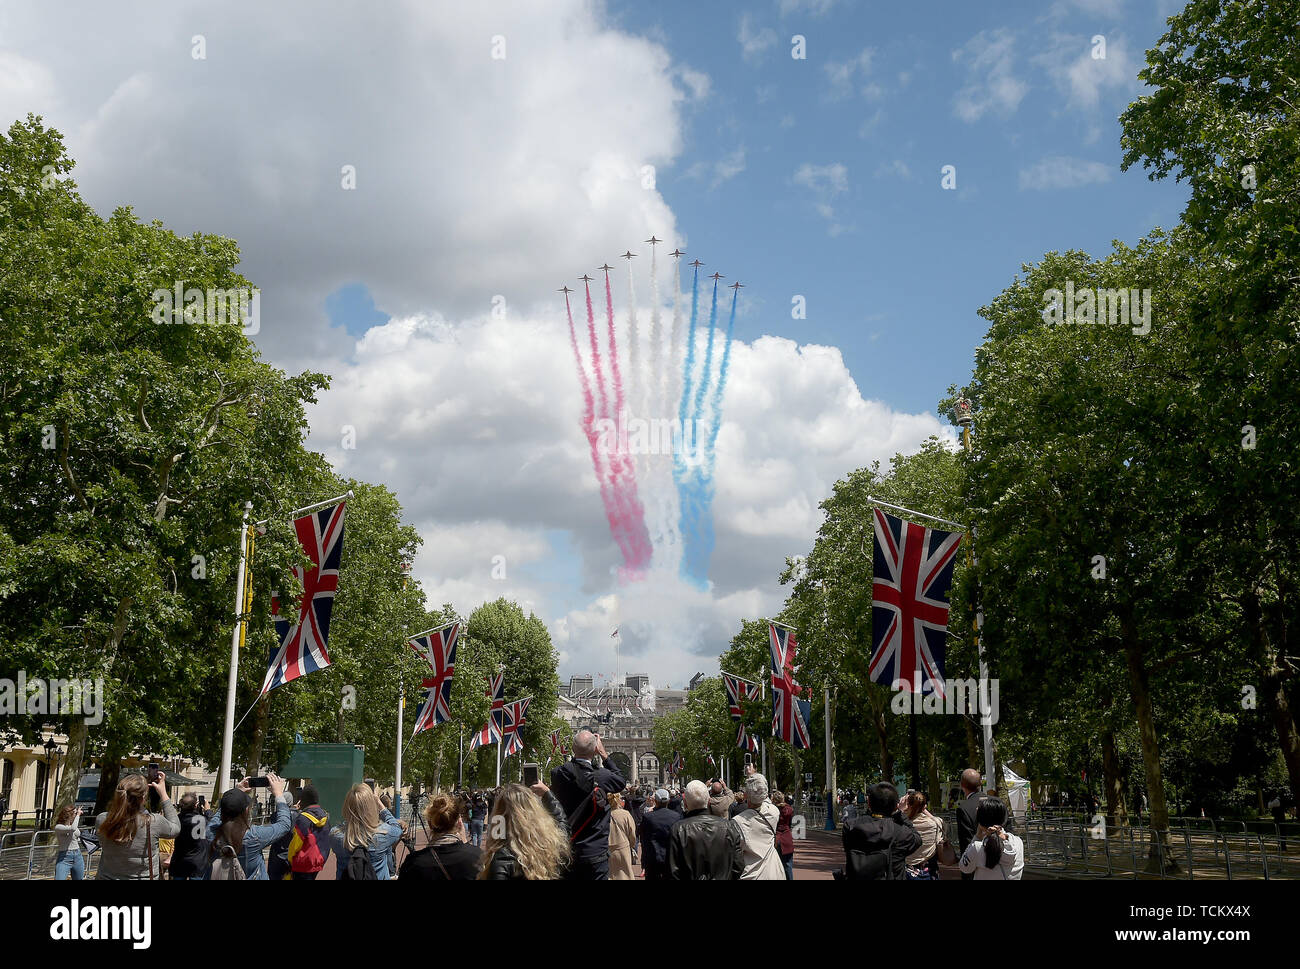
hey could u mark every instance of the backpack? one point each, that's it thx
(308, 856)
(358, 867)
(226, 868)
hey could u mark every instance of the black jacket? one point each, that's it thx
(656, 831)
(460, 860)
(966, 825)
(703, 847)
(876, 849)
(191, 855)
(572, 784)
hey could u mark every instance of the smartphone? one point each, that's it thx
(371, 782)
(532, 774)
(262, 781)
(152, 774)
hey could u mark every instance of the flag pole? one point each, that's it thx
(986, 727)
(762, 696)
(401, 710)
(910, 511)
(228, 734)
(316, 507)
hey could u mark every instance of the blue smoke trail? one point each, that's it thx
(715, 419)
(708, 358)
(685, 477)
(700, 550)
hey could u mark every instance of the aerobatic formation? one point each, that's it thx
(653, 441)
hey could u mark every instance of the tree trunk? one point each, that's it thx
(109, 772)
(972, 744)
(1115, 808)
(1273, 692)
(881, 723)
(936, 795)
(1159, 858)
(72, 761)
(260, 717)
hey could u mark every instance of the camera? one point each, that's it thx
(153, 773)
(261, 781)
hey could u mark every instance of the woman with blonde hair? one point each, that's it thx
(622, 840)
(448, 857)
(129, 832)
(526, 836)
(368, 831)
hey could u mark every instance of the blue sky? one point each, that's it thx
(898, 288)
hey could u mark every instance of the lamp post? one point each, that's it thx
(51, 759)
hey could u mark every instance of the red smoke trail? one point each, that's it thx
(623, 476)
(588, 428)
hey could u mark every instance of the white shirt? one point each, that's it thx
(1009, 867)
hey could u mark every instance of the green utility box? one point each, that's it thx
(333, 768)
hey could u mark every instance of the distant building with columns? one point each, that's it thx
(624, 718)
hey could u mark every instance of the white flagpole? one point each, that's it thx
(910, 511)
(762, 695)
(228, 735)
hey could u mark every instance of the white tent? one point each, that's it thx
(1017, 792)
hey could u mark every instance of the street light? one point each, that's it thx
(51, 759)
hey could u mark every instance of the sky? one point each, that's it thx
(409, 183)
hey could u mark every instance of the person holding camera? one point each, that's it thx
(190, 857)
(876, 846)
(526, 836)
(582, 790)
(68, 862)
(363, 842)
(129, 832)
(758, 832)
(236, 852)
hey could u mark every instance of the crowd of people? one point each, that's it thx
(587, 824)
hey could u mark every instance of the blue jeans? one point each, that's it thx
(788, 862)
(476, 832)
(69, 863)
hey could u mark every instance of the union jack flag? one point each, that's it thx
(491, 731)
(789, 713)
(302, 648)
(746, 741)
(678, 762)
(515, 715)
(555, 740)
(438, 648)
(738, 688)
(912, 568)
(709, 757)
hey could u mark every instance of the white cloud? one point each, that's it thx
(717, 172)
(1062, 171)
(1069, 62)
(816, 8)
(843, 75)
(754, 43)
(825, 182)
(991, 86)
(475, 426)
(475, 176)
(897, 167)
